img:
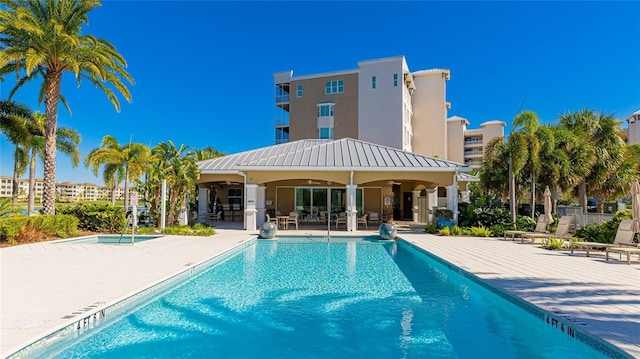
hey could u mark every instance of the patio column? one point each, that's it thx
(352, 209)
(414, 197)
(203, 204)
(261, 205)
(432, 202)
(250, 206)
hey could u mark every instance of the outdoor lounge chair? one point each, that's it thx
(363, 220)
(562, 231)
(624, 236)
(541, 229)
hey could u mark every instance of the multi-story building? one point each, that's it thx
(468, 145)
(65, 190)
(633, 128)
(381, 102)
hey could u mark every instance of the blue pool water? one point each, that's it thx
(114, 239)
(305, 299)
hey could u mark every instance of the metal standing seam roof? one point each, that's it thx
(327, 155)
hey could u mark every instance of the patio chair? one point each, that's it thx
(374, 217)
(562, 231)
(322, 215)
(215, 217)
(274, 220)
(541, 229)
(293, 219)
(624, 236)
(341, 219)
(362, 220)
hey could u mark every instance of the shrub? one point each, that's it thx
(23, 229)
(525, 223)
(197, 230)
(445, 231)
(455, 230)
(497, 230)
(96, 217)
(431, 228)
(604, 232)
(480, 231)
(443, 212)
(555, 243)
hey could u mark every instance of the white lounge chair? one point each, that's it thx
(562, 231)
(624, 236)
(541, 229)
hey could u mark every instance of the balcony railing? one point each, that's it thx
(282, 98)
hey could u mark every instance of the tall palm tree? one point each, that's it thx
(44, 39)
(178, 167)
(603, 134)
(13, 123)
(67, 142)
(131, 159)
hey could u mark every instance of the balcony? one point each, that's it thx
(282, 98)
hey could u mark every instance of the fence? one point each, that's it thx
(582, 219)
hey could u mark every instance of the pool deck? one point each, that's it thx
(42, 283)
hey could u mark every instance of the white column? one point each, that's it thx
(414, 197)
(432, 201)
(352, 210)
(261, 205)
(203, 204)
(450, 197)
(466, 196)
(250, 206)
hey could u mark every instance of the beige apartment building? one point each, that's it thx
(382, 102)
(66, 191)
(633, 128)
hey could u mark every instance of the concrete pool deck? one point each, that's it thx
(44, 282)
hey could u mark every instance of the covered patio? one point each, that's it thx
(324, 180)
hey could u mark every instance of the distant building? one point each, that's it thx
(66, 191)
(381, 102)
(633, 128)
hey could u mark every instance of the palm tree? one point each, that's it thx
(13, 123)
(206, 153)
(44, 38)
(602, 134)
(131, 160)
(67, 142)
(179, 168)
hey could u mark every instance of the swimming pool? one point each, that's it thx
(302, 298)
(112, 239)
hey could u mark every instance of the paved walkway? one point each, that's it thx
(42, 283)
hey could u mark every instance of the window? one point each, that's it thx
(299, 90)
(325, 133)
(373, 82)
(234, 196)
(325, 110)
(334, 87)
(395, 80)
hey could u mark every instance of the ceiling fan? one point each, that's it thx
(312, 182)
(395, 183)
(232, 183)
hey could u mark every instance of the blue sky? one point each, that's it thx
(203, 70)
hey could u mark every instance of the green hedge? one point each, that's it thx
(604, 232)
(58, 225)
(94, 217)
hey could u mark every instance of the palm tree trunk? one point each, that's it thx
(126, 188)
(582, 195)
(172, 207)
(113, 193)
(533, 197)
(32, 182)
(600, 199)
(52, 98)
(15, 183)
